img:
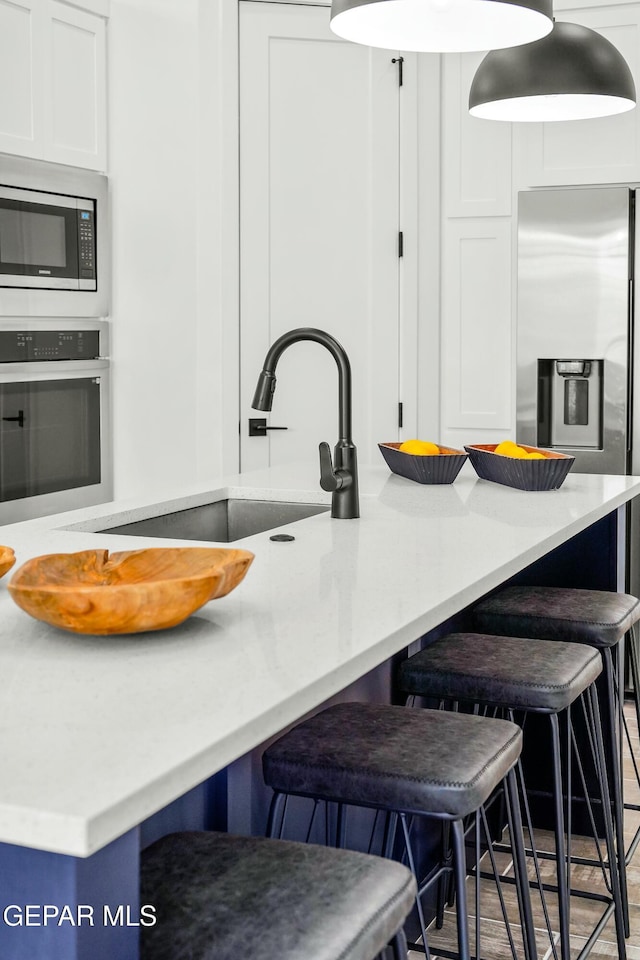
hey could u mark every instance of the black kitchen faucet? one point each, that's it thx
(341, 476)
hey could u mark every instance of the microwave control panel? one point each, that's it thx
(37, 345)
(87, 246)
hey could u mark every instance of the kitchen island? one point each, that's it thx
(99, 736)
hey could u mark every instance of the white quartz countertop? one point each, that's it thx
(96, 734)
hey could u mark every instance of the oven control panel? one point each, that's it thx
(39, 345)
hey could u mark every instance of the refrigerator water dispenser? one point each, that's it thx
(570, 403)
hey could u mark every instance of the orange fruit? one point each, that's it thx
(506, 448)
(510, 449)
(419, 448)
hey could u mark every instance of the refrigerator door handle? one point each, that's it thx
(631, 446)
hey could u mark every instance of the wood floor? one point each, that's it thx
(584, 913)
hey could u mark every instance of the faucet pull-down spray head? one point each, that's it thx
(265, 387)
(341, 475)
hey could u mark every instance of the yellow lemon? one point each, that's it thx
(509, 449)
(534, 455)
(419, 448)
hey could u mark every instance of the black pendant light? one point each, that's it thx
(571, 74)
(441, 25)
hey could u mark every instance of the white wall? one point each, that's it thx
(156, 213)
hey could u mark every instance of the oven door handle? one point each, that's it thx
(21, 369)
(19, 419)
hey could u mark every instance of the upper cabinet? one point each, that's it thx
(605, 150)
(22, 77)
(75, 87)
(53, 75)
(476, 169)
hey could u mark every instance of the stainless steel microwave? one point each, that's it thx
(54, 251)
(47, 240)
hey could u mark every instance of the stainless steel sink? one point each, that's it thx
(222, 522)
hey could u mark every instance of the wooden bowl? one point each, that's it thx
(7, 559)
(129, 592)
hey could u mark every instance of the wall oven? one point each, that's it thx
(55, 450)
(54, 250)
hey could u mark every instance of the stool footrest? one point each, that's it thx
(552, 888)
(544, 855)
(443, 952)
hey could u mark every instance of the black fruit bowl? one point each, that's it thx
(547, 474)
(441, 467)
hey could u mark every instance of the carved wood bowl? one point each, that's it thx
(133, 591)
(7, 560)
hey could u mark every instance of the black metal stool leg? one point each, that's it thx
(412, 866)
(445, 895)
(277, 811)
(631, 652)
(514, 821)
(614, 706)
(459, 868)
(608, 822)
(389, 835)
(561, 852)
(396, 949)
(341, 826)
(399, 946)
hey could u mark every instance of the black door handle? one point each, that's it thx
(258, 427)
(19, 419)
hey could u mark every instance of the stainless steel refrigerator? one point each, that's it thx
(575, 344)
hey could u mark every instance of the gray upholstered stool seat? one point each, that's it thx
(595, 617)
(222, 897)
(366, 754)
(513, 673)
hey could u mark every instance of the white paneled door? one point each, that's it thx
(319, 222)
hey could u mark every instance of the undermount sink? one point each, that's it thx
(221, 522)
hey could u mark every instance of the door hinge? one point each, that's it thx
(400, 414)
(400, 244)
(400, 62)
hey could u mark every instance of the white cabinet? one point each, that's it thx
(476, 328)
(476, 171)
(476, 324)
(21, 77)
(75, 88)
(53, 76)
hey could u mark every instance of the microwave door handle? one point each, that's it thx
(19, 419)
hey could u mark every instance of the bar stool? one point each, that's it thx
(600, 619)
(408, 764)
(543, 677)
(222, 897)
